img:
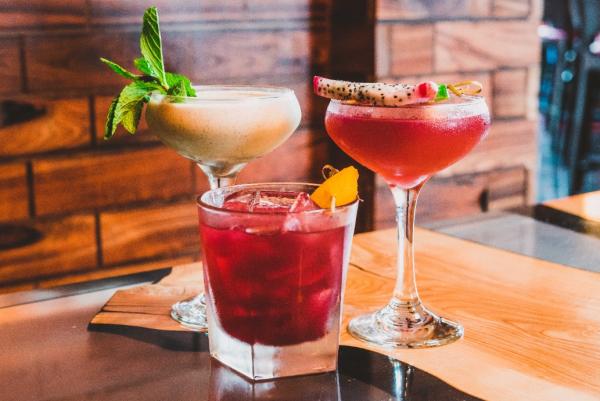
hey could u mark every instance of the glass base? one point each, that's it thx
(191, 313)
(405, 325)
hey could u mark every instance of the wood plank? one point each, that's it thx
(178, 11)
(55, 62)
(66, 245)
(10, 66)
(34, 125)
(411, 49)
(403, 10)
(511, 8)
(14, 195)
(164, 231)
(299, 159)
(461, 195)
(43, 14)
(585, 205)
(509, 143)
(88, 181)
(510, 93)
(476, 46)
(517, 344)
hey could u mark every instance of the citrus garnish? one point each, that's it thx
(339, 189)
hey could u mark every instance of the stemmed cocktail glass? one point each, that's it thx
(406, 145)
(222, 129)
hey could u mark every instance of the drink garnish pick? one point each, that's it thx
(338, 189)
(126, 108)
(391, 95)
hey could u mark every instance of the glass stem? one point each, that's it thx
(221, 182)
(405, 291)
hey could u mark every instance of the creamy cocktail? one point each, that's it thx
(224, 127)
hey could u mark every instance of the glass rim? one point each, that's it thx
(470, 101)
(270, 92)
(203, 204)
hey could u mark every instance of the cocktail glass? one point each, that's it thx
(222, 129)
(274, 269)
(406, 146)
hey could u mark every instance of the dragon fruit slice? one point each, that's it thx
(377, 94)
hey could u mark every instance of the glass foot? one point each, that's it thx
(405, 325)
(191, 313)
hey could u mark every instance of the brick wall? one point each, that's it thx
(72, 203)
(494, 42)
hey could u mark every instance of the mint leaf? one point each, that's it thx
(126, 108)
(176, 79)
(151, 44)
(143, 65)
(118, 69)
(129, 106)
(442, 93)
(177, 89)
(110, 127)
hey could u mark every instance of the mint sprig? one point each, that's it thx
(126, 108)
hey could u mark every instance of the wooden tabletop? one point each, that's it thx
(532, 327)
(585, 205)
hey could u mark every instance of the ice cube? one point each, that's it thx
(260, 201)
(303, 203)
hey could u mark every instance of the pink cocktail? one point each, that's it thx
(274, 266)
(406, 145)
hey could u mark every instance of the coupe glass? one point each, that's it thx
(222, 129)
(406, 146)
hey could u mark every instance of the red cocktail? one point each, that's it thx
(406, 144)
(274, 266)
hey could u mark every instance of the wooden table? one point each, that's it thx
(585, 205)
(532, 330)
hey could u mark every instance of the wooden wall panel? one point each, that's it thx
(235, 54)
(510, 93)
(10, 65)
(33, 125)
(402, 10)
(458, 196)
(509, 143)
(413, 49)
(42, 14)
(145, 233)
(66, 245)
(100, 180)
(300, 158)
(14, 196)
(475, 46)
(179, 11)
(72, 62)
(511, 8)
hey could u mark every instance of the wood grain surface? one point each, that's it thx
(583, 205)
(532, 328)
